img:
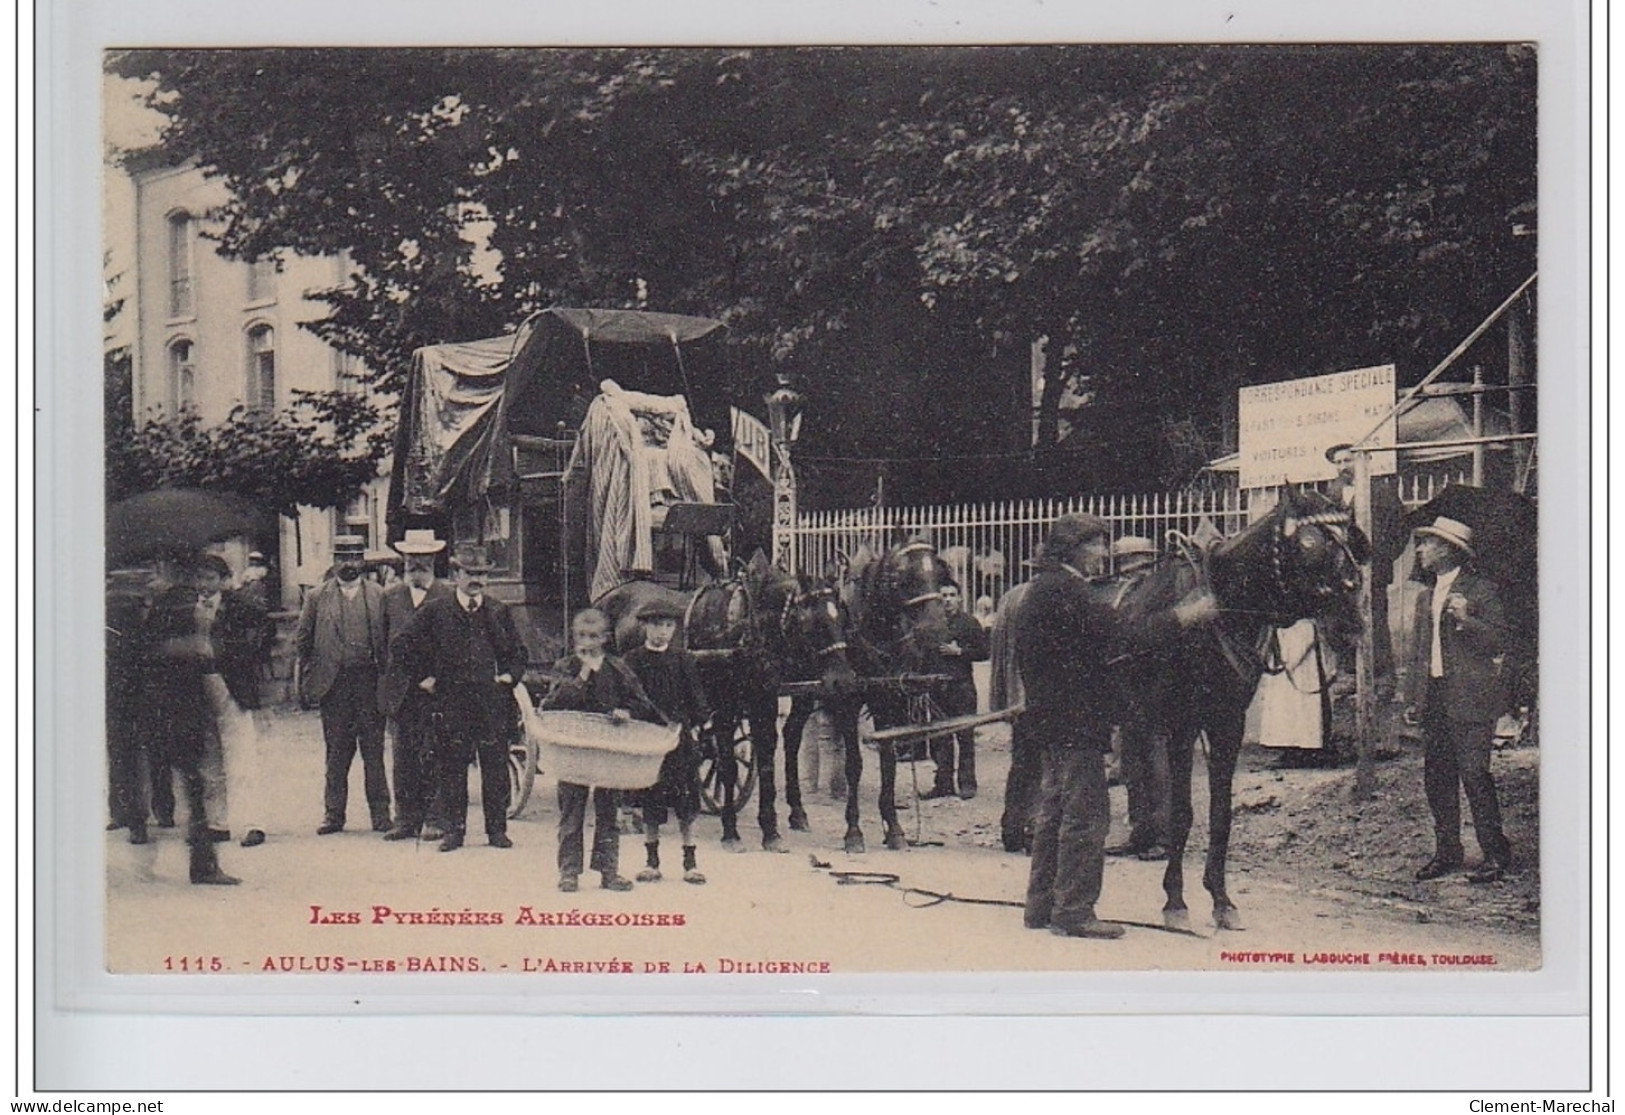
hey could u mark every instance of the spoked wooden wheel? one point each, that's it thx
(711, 768)
(522, 757)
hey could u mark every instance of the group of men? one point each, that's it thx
(186, 655)
(437, 661)
(1063, 633)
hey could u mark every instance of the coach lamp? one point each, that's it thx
(784, 411)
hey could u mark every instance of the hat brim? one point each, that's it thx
(418, 549)
(1455, 540)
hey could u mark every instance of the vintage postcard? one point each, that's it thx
(684, 432)
(999, 519)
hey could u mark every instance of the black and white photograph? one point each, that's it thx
(1044, 508)
(893, 546)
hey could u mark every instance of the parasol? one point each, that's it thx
(173, 520)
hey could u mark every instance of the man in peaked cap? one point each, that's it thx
(407, 706)
(671, 678)
(464, 652)
(342, 654)
(1066, 639)
(1462, 687)
(1144, 749)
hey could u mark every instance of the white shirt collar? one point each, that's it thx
(464, 599)
(417, 594)
(351, 589)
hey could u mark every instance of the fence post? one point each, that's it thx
(1365, 696)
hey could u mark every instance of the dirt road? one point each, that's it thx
(1322, 885)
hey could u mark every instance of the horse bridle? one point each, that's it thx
(799, 600)
(1288, 528)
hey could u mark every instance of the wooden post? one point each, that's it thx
(1365, 689)
(1517, 376)
(1478, 425)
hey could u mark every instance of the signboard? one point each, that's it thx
(1287, 427)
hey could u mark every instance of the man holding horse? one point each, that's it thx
(1068, 643)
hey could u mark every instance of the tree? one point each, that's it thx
(1178, 221)
(319, 452)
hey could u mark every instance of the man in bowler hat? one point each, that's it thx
(464, 652)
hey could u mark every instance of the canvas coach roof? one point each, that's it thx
(464, 399)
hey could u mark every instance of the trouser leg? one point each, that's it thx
(493, 753)
(1080, 839)
(606, 832)
(1022, 785)
(406, 759)
(1474, 743)
(369, 733)
(1046, 829)
(339, 739)
(572, 821)
(1441, 780)
(213, 770)
(160, 783)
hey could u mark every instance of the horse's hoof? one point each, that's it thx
(1227, 918)
(854, 843)
(1177, 919)
(774, 843)
(798, 821)
(733, 844)
(895, 841)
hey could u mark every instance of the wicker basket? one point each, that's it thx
(590, 749)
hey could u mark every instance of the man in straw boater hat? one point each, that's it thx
(1462, 686)
(464, 652)
(406, 705)
(1144, 750)
(342, 655)
(1066, 641)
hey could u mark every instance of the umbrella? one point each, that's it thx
(1505, 538)
(173, 520)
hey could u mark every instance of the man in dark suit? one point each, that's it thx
(966, 645)
(241, 633)
(1463, 683)
(1066, 640)
(342, 653)
(179, 712)
(407, 706)
(464, 652)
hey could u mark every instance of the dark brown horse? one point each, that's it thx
(1301, 561)
(754, 634)
(897, 623)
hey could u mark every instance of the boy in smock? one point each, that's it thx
(671, 678)
(593, 680)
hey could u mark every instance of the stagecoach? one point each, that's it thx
(587, 448)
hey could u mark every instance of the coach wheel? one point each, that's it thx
(711, 786)
(522, 755)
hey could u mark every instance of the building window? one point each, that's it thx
(356, 519)
(262, 275)
(182, 236)
(262, 368)
(347, 373)
(182, 377)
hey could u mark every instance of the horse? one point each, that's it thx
(753, 633)
(897, 622)
(1300, 561)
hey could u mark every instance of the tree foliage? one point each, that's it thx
(319, 452)
(1179, 221)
